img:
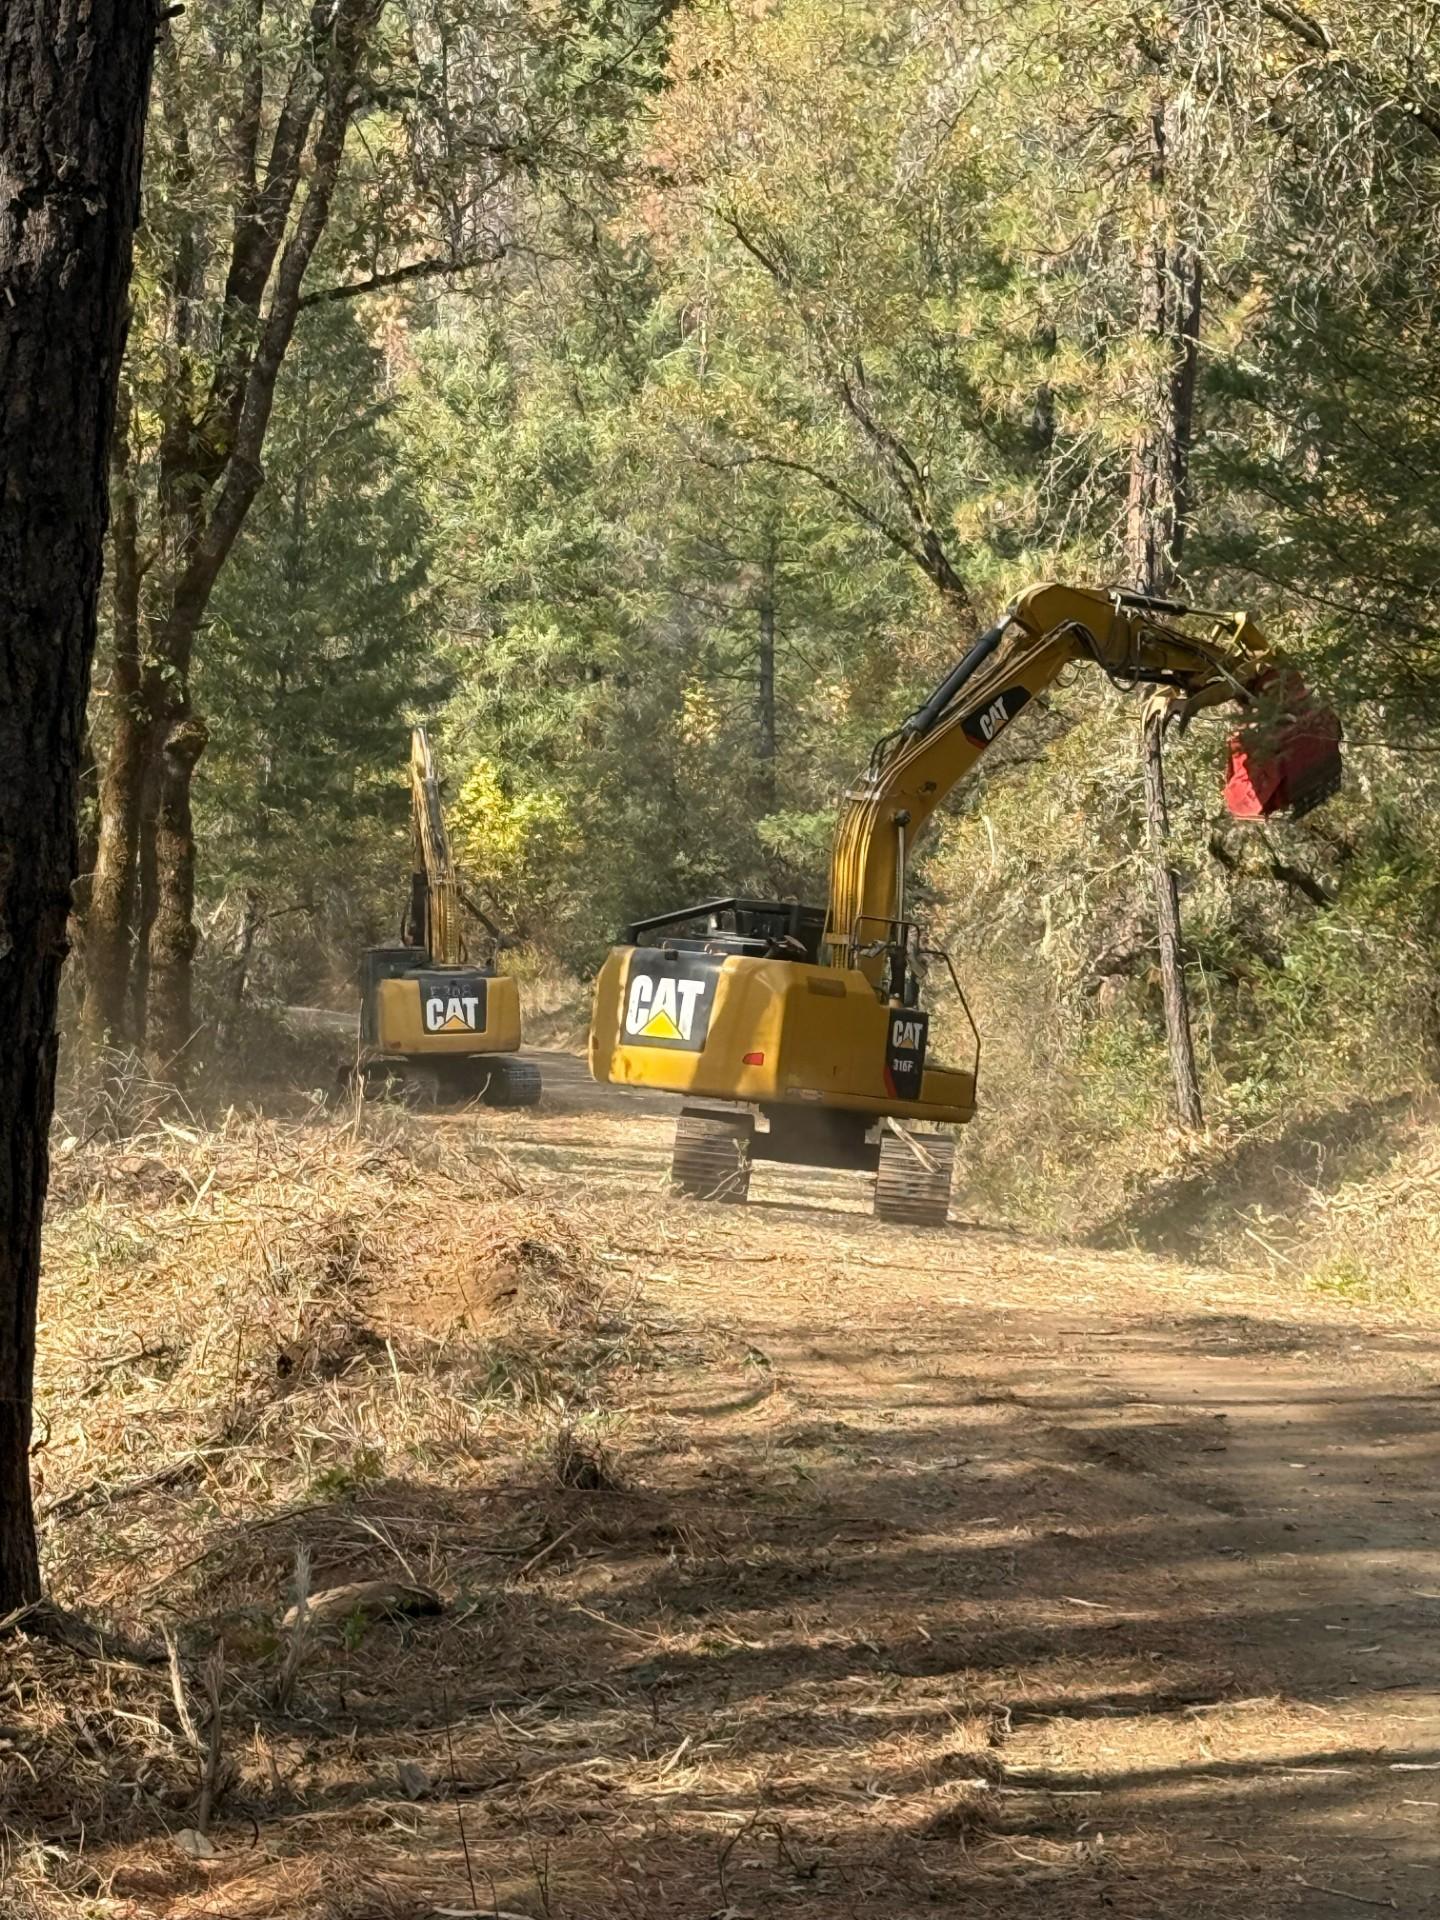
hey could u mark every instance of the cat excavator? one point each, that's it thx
(800, 1034)
(434, 1026)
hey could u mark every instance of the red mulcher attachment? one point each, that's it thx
(1286, 758)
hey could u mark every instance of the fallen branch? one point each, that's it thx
(97, 1493)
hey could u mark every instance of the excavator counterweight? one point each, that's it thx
(800, 1034)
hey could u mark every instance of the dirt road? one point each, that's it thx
(784, 1563)
(988, 1574)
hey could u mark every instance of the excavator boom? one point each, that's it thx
(1289, 752)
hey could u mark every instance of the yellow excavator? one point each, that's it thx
(799, 1034)
(435, 1027)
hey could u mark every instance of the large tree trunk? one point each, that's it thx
(1159, 505)
(73, 81)
(110, 907)
(213, 501)
(765, 684)
(170, 1024)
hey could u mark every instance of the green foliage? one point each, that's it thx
(610, 600)
(322, 642)
(833, 341)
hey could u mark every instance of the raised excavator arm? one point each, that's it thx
(436, 895)
(1289, 761)
(435, 891)
(798, 1036)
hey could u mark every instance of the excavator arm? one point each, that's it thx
(435, 881)
(1287, 757)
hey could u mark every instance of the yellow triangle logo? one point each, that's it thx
(454, 1025)
(661, 1027)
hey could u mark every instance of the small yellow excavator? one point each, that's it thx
(433, 1026)
(798, 1034)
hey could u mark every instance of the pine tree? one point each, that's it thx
(321, 653)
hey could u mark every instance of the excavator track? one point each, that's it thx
(711, 1160)
(451, 1083)
(399, 1082)
(912, 1183)
(511, 1083)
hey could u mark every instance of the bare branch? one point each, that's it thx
(852, 502)
(1303, 27)
(903, 470)
(1295, 20)
(398, 276)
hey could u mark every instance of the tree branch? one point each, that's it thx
(1303, 27)
(260, 223)
(245, 140)
(833, 487)
(397, 276)
(911, 484)
(896, 460)
(1298, 22)
(352, 23)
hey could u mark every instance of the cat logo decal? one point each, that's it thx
(986, 722)
(668, 998)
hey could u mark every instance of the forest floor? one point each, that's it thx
(787, 1563)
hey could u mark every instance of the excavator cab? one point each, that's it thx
(769, 929)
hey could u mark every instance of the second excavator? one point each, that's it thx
(434, 1025)
(800, 1034)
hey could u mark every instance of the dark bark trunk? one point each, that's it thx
(244, 393)
(145, 896)
(73, 81)
(1159, 505)
(110, 907)
(765, 682)
(170, 1016)
(1167, 925)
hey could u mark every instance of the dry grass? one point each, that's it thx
(782, 1563)
(1372, 1239)
(353, 1346)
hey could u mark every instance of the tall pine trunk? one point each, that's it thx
(110, 908)
(73, 81)
(170, 1013)
(1172, 291)
(765, 682)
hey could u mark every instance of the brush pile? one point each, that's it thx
(278, 1361)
